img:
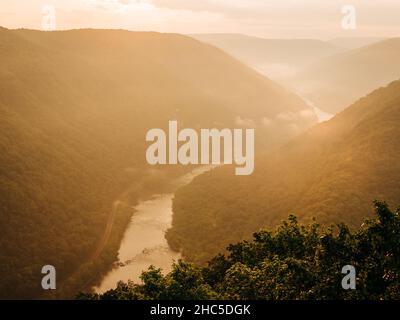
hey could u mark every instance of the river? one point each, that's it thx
(144, 242)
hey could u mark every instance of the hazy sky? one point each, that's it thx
(266, 18)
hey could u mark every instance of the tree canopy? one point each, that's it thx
(293, 262)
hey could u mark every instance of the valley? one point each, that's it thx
(332, 172)
(75, 109)
(144, 242)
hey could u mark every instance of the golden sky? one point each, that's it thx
(265, 18)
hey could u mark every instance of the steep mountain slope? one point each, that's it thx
(279, 59)
(337, 81)
(331, 172)
(74, 110)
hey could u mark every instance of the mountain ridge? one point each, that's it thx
(75, 107)
(341, 79)
(331, 172)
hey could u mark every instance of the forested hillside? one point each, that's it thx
(331, 172)
(279, 59)
(259, 51)
(74, 110)
(294, 262)
(337, 81)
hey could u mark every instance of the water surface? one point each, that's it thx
(144, 242)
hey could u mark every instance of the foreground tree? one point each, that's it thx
(294, 262)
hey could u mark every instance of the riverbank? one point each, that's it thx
(143, 243)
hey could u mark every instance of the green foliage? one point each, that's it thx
(75, 107)
(331, 172)
(294, 262)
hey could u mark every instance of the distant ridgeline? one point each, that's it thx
(337, 81)
(331, 172)
(75, 107)
(293, 262)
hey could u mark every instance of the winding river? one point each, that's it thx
(144, 242)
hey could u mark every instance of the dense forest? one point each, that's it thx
(75, 107)
(293, 262)
(330, 172)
